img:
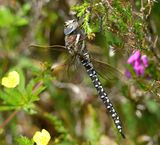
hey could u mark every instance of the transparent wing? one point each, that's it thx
(106, 71)
(68, 71)
(119, 52)
(41, 51)
(64, 66)
(47, 53)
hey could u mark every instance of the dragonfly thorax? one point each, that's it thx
(75, 39)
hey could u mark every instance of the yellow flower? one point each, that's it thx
(41, 138)
(12, 80)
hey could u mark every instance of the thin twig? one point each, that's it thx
(8, 119)
(38, 85)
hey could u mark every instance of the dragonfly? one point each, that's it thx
(75, 45)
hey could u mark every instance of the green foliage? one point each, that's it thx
(85, 12)
(138, 29)
(92, 133)
(64, 136)
(130, 120)
(9, 19)
(152, 106)
(22, 97)
(81, 9)
(120, 16)
(24, 141)
(57, 123)
(11, 23)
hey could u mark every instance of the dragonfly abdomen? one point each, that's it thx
(93, 75)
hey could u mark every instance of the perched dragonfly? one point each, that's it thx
(75, 45)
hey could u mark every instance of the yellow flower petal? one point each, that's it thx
(12, 80)
(41, 138)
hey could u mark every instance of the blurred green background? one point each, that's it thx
(69, 107)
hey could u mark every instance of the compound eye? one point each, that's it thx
(70, 26)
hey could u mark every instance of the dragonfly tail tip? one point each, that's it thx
(122, 134)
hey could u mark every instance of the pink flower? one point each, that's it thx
(139, 69)
(127, 74)
(135, 56)
(144, 60)
(138, 62)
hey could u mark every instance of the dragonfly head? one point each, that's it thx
(70, 26)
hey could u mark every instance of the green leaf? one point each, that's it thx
(153, 106)
(80, 9)
(25, 8)
(30, 108)
(131, 120)
(21, 21)
(24, 141)
(21, 85)
(6, 108)
(57, 123)
(33, 98)
(6, 17)
(92, 129)
(32, 95)
(29, 88)
(39, 90)
(12, 97)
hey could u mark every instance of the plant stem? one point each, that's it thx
(8, 119)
